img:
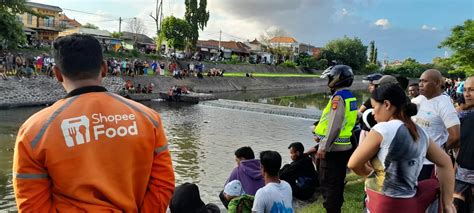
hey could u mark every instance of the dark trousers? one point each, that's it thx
(332, 174)
(223, 200)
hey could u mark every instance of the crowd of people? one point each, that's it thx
(412, 148)
(23, 66)
(80, 154)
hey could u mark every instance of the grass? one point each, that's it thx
(271, 75)
(353, 197)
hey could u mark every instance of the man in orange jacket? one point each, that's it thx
(91, 151)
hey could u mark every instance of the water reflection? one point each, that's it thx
(308, 101)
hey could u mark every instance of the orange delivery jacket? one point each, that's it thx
(93, 151)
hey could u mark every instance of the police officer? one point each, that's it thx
(333, 133)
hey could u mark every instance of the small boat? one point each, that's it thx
(190, 97)
(143, 96)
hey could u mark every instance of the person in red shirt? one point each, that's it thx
(92, 151)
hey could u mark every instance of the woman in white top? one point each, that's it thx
(395, 148)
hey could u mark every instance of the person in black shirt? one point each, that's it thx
(300, 174)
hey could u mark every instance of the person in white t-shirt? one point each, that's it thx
(276, 196)
(395, 148)
(436, 115)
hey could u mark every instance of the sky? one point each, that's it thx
(400, 28)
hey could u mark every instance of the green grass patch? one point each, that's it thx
(270, 75)
(353, 197)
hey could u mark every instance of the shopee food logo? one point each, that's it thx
(77, 130)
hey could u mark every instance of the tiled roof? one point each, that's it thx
(255, 41)
(71, 22)
(44, 6)
(281, 39)
(141, 38)
(232, 45)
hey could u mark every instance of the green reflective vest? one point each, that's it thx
(350, 117)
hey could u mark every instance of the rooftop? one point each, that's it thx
(282, 39)
(232, 45)
(44, 6)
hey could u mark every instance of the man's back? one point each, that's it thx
(107, 155)
(274, 197)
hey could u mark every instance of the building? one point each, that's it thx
(104, 36)
(258, 55)
(310, 50)
(67, 23)
(210, 48)
(47, 28)
(255, 45)
(284, 42)
(139, 41)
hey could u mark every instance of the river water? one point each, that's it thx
(202, 139)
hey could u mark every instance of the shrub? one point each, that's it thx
(289, 63)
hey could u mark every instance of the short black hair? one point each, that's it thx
(245, 152)
(414, 85)
(79, 57)
(271, 162)
(297, 146)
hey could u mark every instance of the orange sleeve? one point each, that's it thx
(161, 183)
(30, 180)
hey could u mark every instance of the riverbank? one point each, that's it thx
(42, 90)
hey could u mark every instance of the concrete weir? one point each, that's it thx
(264, 108)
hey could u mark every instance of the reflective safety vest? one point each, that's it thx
(350, 117)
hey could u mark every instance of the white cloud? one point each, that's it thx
(426, 27)
(384, 23)
(344, 12)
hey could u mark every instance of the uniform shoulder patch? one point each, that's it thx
(353, 105)
(335, 102)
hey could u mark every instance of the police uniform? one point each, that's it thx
(334, 132)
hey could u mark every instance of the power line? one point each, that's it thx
(89, 13)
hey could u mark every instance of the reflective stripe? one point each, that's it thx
(31, 176)
(341, 141)
(161, 149)
(40, 134)
(121, 99)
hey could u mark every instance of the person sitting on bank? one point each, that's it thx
(187, 199)
(300, 174)
(247, 172)
(276, 195)
(239, 201)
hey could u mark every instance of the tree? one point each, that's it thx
(116, 34)
(175, 32)
(372, 53)
(347, 51)
(197, 18)
(461, 42)
(11, 30)
(375, 56)
(136, 27)
(91, 26)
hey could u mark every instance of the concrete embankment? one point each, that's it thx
(41, 90)
(232, 84)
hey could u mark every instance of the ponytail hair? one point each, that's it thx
(404, 108)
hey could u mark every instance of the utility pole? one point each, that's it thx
(120, 24)
(220, 37)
